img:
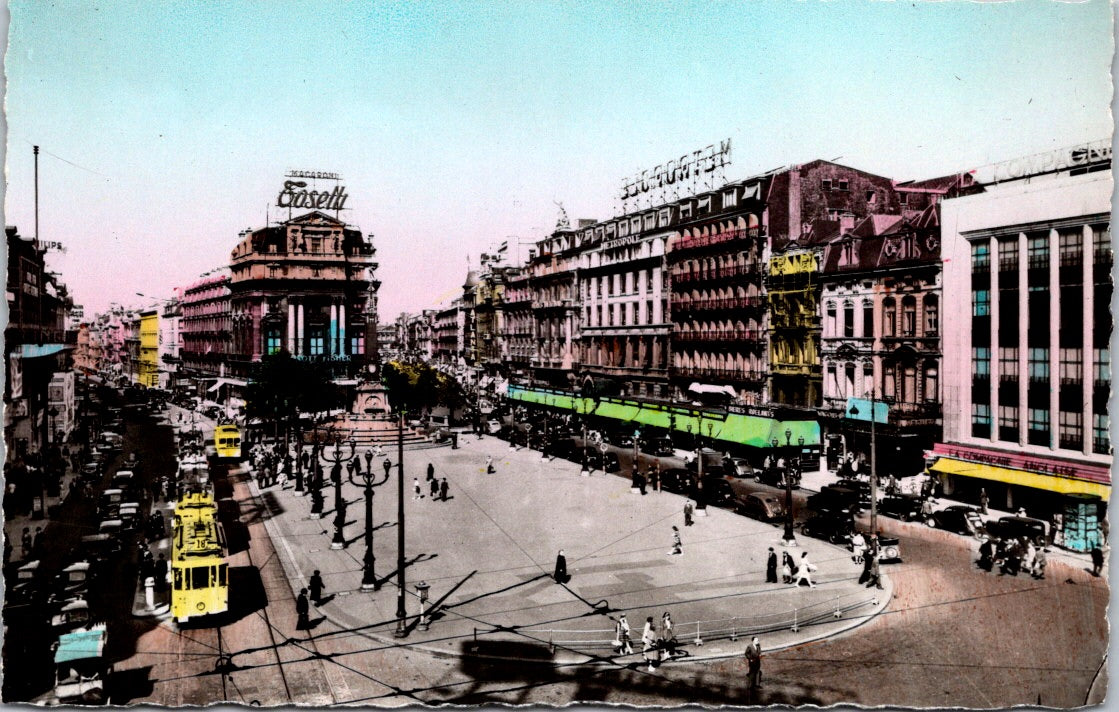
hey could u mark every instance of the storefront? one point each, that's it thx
(1013, 480)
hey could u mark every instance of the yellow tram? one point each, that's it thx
(227, 441)
(199, 573)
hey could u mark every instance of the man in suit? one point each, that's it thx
(754, 662)
(561, 568)
(771, 567)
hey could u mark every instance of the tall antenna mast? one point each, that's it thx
(36, 196)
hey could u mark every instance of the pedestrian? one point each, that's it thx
(489, 465)
(443, 490)
(655, 476)
(316, 586)
(754, 663)
(25, 542)
(302, 609)
(430, 471)
(1039, 564)
(161, 573)
(983, 500)
(640, 481)
(434, 486)
(1021, 512)
(986, 554)
(37, 541)
(771, 567)
(623, 636)
(416, 494)
(688, 509)
(786, 567)
(561, 568)
(677, 546)
(648, 642)
(804, 571)
(858, 547)
(669, 638)
(1097, 559)
(874, 577)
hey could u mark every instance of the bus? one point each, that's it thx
(227, 442)
(199, 572)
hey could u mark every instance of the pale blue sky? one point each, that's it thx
(456, 125)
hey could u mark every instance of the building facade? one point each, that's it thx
(1027, 326)
(148, 365)
(205, 326)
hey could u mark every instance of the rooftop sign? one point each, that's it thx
(294, 194)
(1060, 159)
(690, 166)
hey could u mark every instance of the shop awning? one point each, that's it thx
(1050, 483)
(227, 381)
(82, 645)
(38, 350)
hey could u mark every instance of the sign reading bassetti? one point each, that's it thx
(294, 194)
(678, 170)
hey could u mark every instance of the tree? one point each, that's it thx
(410, 388)
(282, 386)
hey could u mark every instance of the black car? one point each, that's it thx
(565, 448)
(905, 508)
(959, 518)
(607, 462)
(716, 491)
(833, 498)
(860, 486)
(1013, 527)
(677, 479)
(834, 527)
(774, 477)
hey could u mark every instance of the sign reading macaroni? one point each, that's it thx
(690, 166)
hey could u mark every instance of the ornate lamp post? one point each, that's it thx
(339, 541)
(401, 613)
(788, 538)
(316, 480)
(368, 480)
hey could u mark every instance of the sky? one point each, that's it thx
(166, 128)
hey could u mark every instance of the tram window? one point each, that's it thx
(200, 577)
(178, 583)
(223, 569)
(236, 442)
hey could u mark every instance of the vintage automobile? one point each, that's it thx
(740, 467)
(959, 518)
(907, 508)
(70, 616)
(1013, 527)
(761, 505)
(716, 491)
(860, 486)
(81, 669)
(835, 527)
(832, 498)
(607, 461)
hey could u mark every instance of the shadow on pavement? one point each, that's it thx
(127, 685)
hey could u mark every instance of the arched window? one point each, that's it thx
(889, 317)
(932, 315)
(909, 316)
(932, 394)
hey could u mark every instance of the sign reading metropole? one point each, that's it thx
(295, 194)
(689, 166)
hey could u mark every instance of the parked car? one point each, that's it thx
(832, 498)
(889, 548)
(959, 518)
(24, 588)
(774, 477)
(677, 479)
(659, 447)
(1012, 527)
(904, 507)
(716, 491)
(835, 527)
(607, 462)
(565, 448)
(741, 467)
(761, 505)
(860, 486)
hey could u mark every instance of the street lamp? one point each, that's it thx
(339, 541)
(368, 480)
(401, 612)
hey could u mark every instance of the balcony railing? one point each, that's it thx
(721, 374)
(691, 305)
(718, 335)
(706, 275)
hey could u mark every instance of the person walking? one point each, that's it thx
(786, 567)
(771, 567)
(416, 493)
(316, 586)
(560, 574)
(677, 546)
(434, 485)
(754, 663)
(1097, 559)
(655, 477)
(668, 637)
(874, 577)
(443, 490)
(302, 609)
(648, 642)
(858, 547)
(430, 471)
(161, 573)
(623, 636)
(688, 509)
(804, 571)
(983, 500)
(489, 465)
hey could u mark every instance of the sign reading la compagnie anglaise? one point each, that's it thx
(294, 194)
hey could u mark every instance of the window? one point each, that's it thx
(833, 381)
(903, 198)
(932, 315)
(1071, 245)
(889, 381)
(316, 244)
(317, 343)
(272, 341)
(1101, 367)
(980, 256)
(1037, 250)
(980, 420)
(833, 327)
(889, 317)
(1071, 364)
(870, 196)
(848, 320)
(623, 314)
(200, 577)
(843, 185)
(908, 385)
(1008, 363)
(1101, 441)
(1038, 426)
(825, 184)
(1070, 435)
(868, 319)
(981, 361)
(649, 312)
(980, 302)
(1008, 255)
(1101, 244)
(1038, 364)
(357, 346)
(849, 379)
(1008, 423)
(649, 282)
(932, 393)
(909, 316)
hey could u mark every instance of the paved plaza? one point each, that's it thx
(488, 554)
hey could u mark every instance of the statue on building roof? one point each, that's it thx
(563, 223)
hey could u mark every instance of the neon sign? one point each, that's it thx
(689, 166)
(295, 195)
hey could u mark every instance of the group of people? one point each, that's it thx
(1012, 556)
(792, 571)
(438, 488)
(657, 644)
